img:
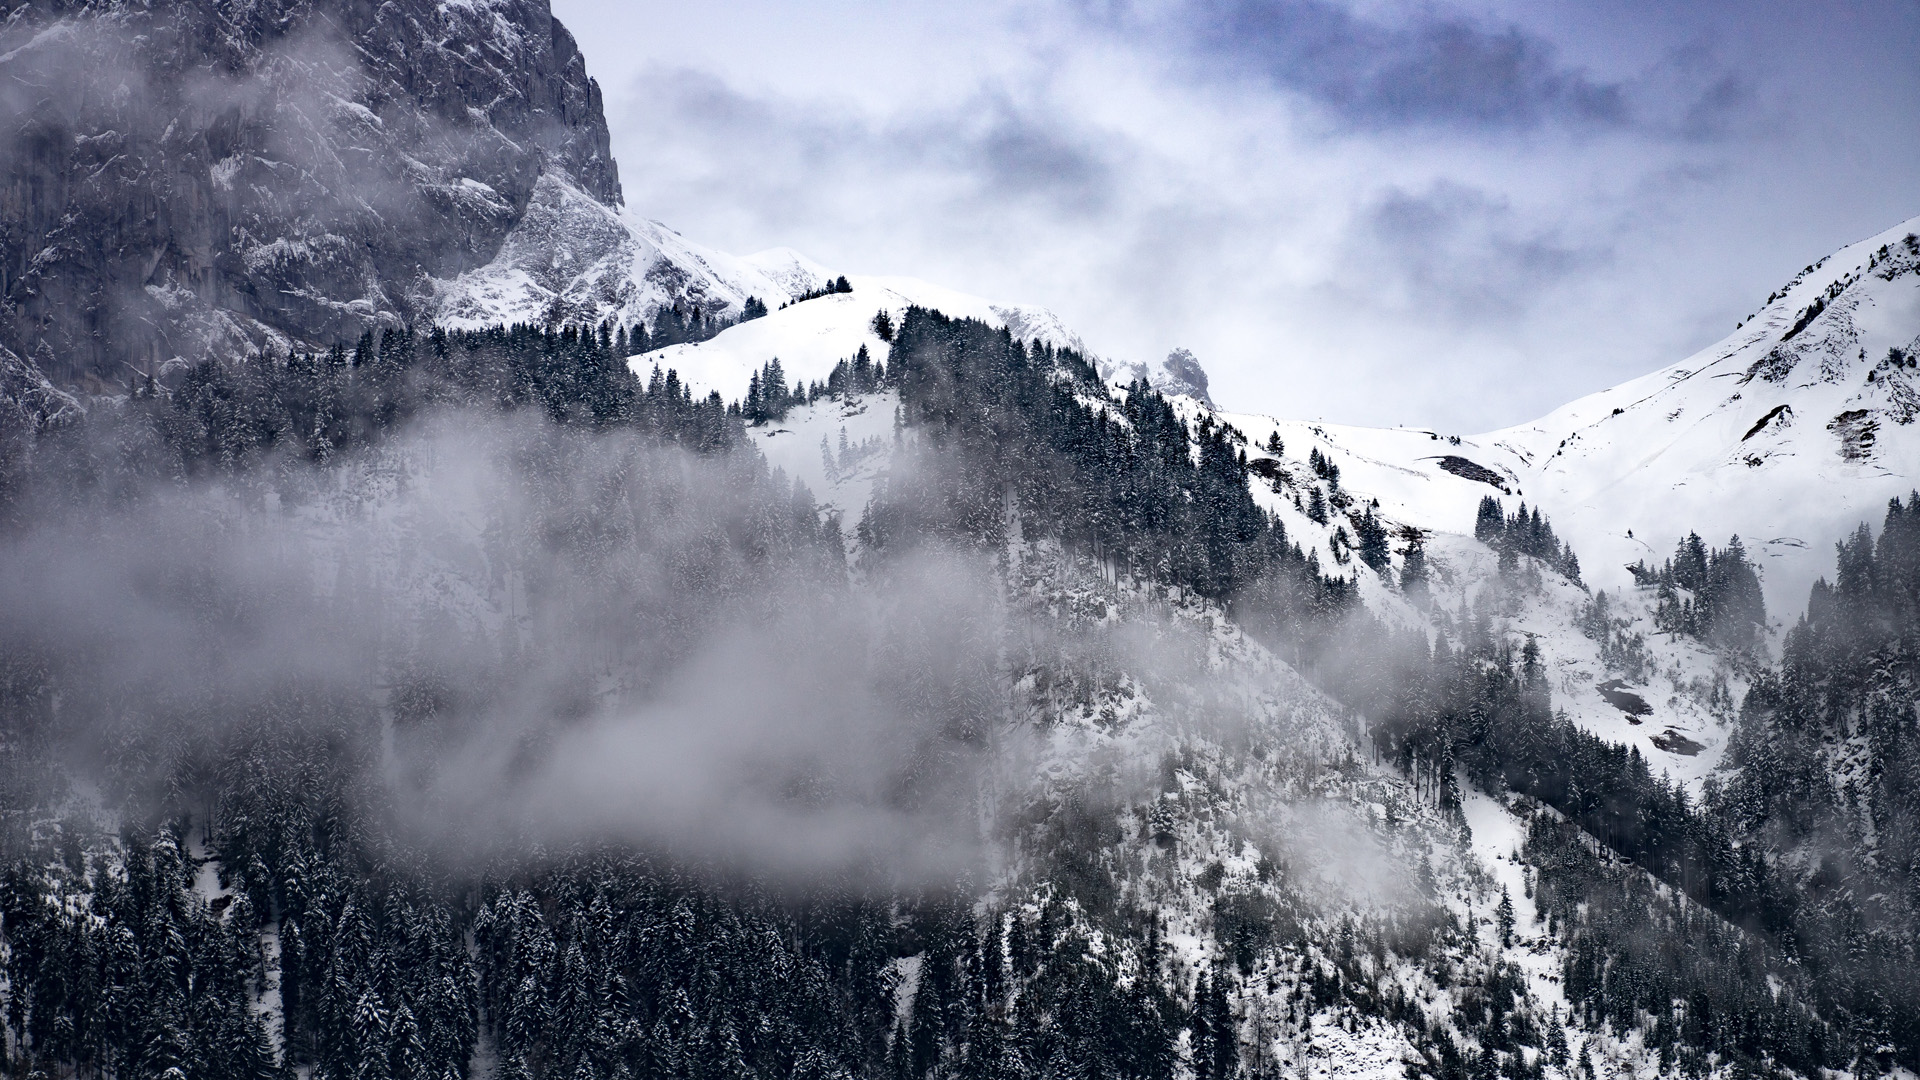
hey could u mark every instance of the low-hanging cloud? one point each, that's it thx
(1221, 176)
(504, 637)
(989, 151)
(1439, 68)
(546, 637)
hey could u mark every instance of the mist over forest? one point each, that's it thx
(452, 627)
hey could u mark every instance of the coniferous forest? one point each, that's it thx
(267, 874)
(455, 626)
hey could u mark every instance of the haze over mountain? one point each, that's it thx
(192, 180)
(1446, 215)
(454, 625)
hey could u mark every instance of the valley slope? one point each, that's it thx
(1789, 434)
(569, 673)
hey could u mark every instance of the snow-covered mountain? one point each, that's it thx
(574, 259)
(1789, 432)
(210, 180)
(1144, 738)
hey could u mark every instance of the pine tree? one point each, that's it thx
(1371, 543)
(1489, 522)
(1316, 505)
(1413, 566)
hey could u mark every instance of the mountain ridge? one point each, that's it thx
(1748, 445)
(497, 697)
(1432, 483)
(192, 180)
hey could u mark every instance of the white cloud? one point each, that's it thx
(1326, 248)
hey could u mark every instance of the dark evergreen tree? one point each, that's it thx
(1713, 595)
(1489, 522)
(1371, 543)
(1413, 565)
(1525, 533)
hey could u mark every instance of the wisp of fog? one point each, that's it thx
(557, 636)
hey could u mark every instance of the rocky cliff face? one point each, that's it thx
(572, 259)
(181, 178)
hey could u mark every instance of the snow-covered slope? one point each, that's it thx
(1789, 433)
(1689, 689)
(572, 259)
(810, 337)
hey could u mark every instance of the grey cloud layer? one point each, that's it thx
(566, 638)
(1346, 210)
(533, 637)
(1439, 68)
(1465, 254)
(989, 149)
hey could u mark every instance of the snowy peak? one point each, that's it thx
(793, 272)
(1038, 325)
(810, 337)
(1180, 374)
(1841, 322)
(572, 259)
(1789, 432)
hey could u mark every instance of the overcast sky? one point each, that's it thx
(1451, 215)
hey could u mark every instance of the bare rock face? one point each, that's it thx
(572, 259)
(1179, 373)
(186, 178)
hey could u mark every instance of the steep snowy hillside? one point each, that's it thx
(810, 337)
(1686, 692)
(1790, 432)
(573, 259)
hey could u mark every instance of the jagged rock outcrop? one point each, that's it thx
(182, 178)
(1179, 374)
(572, 259)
